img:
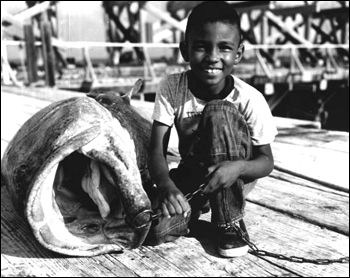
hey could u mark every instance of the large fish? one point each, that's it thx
(76, 170)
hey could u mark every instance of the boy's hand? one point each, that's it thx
(172, 201)
(222, 175)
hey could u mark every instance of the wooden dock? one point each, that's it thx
(301, 209)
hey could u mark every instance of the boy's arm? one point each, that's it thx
(261, 165)
(224, 174)
(157, 162)
(172, 200)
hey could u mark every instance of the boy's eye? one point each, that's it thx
(226, 48)
(202, 47)
(199, 47)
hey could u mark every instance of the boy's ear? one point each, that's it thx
(184, 51)
(239, 54)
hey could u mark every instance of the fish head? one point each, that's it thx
(72, 172)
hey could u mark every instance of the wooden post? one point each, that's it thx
(263, 64)
(149, 31)
(291, 71)
(307, 20)
(7, 73)
(147, 64)
(344, 35)
(297, 60)
(292, 62)
(48, 53)
(32, 67)
(263, 28)
(89, 68)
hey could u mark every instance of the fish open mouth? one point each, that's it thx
(88, 201)
(88, 195)
(72, 170)
(87, 198)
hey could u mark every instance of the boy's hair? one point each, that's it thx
(213, 11)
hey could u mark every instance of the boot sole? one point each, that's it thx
(235, 252)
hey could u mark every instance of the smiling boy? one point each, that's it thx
(225, 128)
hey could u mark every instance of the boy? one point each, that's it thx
(225, 128)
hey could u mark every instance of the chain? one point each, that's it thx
(256, 251)
(188, 197)
(156, 215)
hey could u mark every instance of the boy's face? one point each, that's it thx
(212, 51)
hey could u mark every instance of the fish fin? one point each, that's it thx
(137, 86)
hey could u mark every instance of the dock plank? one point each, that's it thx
(24, 254)
(317, 163)
(285, 213)
(310, 204)
(15, 111)
(315, 138)
(276, 232)
(28, 107)
(184, 257)
(41, 93)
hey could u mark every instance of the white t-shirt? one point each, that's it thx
(175, 104)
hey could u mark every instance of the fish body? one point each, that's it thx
(76, 172)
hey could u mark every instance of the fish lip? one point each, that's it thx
(46, 219)
(36, 197)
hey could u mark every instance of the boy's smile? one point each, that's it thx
(213, 49)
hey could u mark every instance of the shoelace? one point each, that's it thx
(236, 229)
